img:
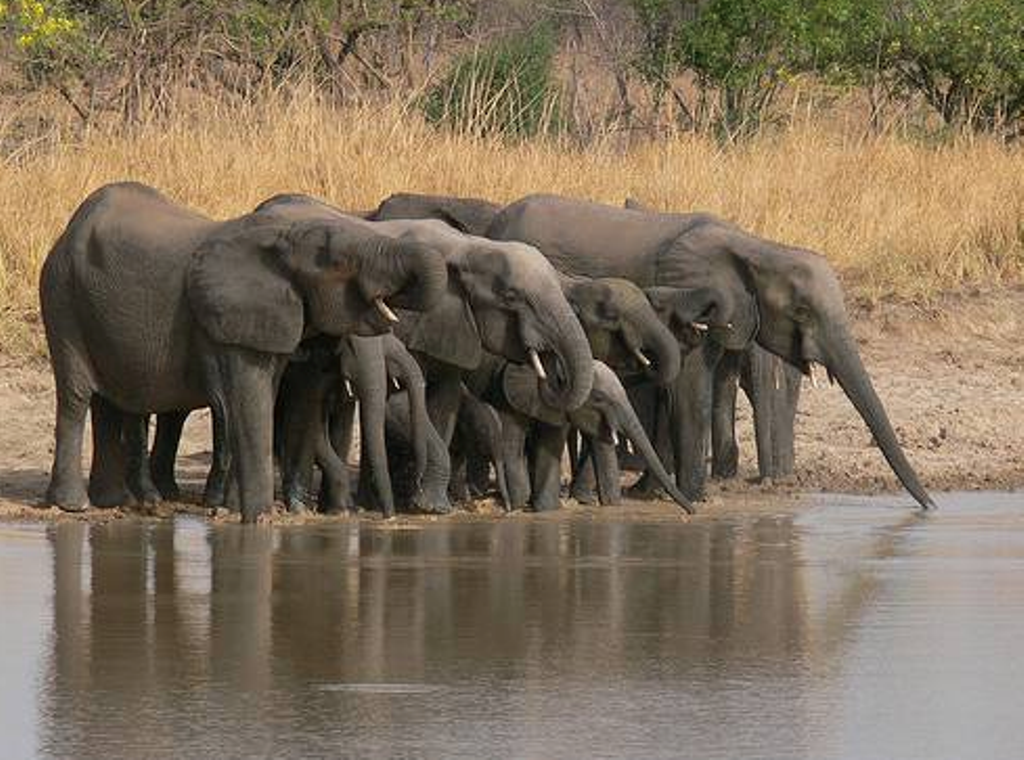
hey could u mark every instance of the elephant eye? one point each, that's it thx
(802, 313)
(511, 297)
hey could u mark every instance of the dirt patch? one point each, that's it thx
(951, 376)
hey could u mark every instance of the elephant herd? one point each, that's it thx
(476, 341)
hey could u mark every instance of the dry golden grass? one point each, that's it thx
(896, 218)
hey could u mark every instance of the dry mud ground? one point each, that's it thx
(951, 376)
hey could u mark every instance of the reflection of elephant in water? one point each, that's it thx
(157, 308)
(501, 297)
(534, 434)
(785, 298)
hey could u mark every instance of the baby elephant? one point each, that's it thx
(535, 434)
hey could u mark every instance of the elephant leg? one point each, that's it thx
(433, 494)
(335, 491)
(444, 397)
(219, 479)
(165, 450)
(108, 473)
(547, 444)
(517, 475)
(725, 453)
(584, 480)
(244, 382)
(605, 461)
(784, 418)
(136, 439)
(691, 419)
(67, 483)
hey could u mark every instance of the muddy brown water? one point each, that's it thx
(841, 628)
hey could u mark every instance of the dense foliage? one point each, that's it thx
(491, 66)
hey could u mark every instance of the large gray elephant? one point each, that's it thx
(502, 297)
(157, 308)
(746, 288)
(535, 434)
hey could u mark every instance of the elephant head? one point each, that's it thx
(791, 302)
(606, 413)
(623, 328)
(266, 283)
(470, 215)
(504, 298)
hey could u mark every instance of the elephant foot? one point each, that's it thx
(145, 493)
(105, 498)
(546, 505)
(724, 471)
(69, 498)
(169, 490)
(584, 495)
(433, 504)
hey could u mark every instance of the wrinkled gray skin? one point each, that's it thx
(502, 297)
(773, 388)
(470, 215)
(746, 288)
(535, 434)
(157, 308)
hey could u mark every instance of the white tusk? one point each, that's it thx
(641, 358)
(348, 388)
(394, 381)
(615, 438)
(385, 310)
(629, 446)
(537, 366)
(699, 326)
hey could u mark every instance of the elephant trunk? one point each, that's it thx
(662, 348)
(847, 368)
(403, 366)
(569, 385)
(420, 273)
(371, 380)
(634, 430)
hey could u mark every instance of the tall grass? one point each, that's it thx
(896, 218)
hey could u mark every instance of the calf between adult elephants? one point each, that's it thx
(157, 308)
(501, 297)
(535, 434)
(747, 288)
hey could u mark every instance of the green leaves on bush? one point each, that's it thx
(505, 89)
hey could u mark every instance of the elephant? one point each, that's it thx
(470, 215)
(501, 297)
(746, 288)
(157, 308)
(534, 433)
(773, 388)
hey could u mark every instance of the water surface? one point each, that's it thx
(851, 628)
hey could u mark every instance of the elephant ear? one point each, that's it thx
(448, 331)
(241, 296)
(519, 385)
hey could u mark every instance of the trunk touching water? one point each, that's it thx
(846, 366)
(634, 430)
